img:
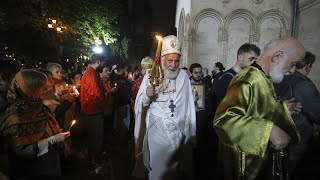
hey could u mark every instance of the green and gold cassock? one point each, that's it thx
(244, 120)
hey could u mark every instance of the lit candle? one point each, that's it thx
(155, 74)
(73, 122)
(158, 52)
(75, 90)
(130, 77)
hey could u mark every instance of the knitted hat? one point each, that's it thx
(170, 45)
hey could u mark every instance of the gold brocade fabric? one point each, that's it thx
(245, 117)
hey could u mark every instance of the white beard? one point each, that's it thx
(170, 73)
(276, 73)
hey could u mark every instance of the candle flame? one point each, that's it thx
(159, 37)
(73, 122)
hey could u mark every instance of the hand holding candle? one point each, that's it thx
(64, 89)
(75, 90)
(130, 77)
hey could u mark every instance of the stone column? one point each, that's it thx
(223, 41)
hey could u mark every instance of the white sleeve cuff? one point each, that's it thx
(146, 100)
(43, 147)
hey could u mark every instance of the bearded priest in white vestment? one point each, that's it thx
(165, 124)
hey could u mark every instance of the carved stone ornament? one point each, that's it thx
(257, 1)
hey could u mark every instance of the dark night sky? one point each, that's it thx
(164, 12)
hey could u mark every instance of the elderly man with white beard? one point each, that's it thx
(165, 120)
(251, 121)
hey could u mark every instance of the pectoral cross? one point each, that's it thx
(172, 106)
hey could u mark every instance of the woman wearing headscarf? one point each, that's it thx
(30, 131)
(64, 110)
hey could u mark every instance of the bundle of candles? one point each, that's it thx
(156, 74)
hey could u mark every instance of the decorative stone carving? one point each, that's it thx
(181, 25)
(193, 35)
(255, 37)
(216, 29)
(223, 35)
(280, 17)
(257, 1)
(243, 13)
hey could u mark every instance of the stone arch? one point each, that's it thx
(181, 34)
(240, 28)
(181, 25)
(247, 15)
(277, 15)
(187, 25)
(205, 42)
(186, 43)
(218, 16)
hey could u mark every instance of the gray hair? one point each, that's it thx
(279, 44)
(52, 65)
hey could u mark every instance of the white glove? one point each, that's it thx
(58, 137)
(44, 143)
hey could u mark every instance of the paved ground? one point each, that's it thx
(117, 162)
(121, 159)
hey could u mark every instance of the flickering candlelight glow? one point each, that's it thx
(156, 74)
(158, 52)
(73, 122)
(75, 90)
(130, 77)
(159, 37)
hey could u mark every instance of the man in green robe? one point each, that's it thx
(251, 119)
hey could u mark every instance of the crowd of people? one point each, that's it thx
(252, 121)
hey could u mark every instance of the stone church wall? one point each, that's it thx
(309, 33)
(213, 30)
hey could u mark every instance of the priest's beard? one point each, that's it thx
(276, 73)
(171, 73)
